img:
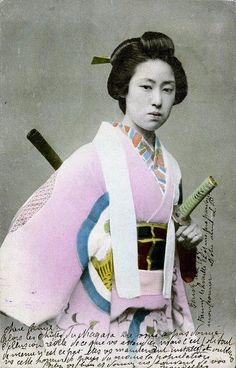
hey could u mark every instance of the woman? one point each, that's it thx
(94, 246)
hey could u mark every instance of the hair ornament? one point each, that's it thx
(100, 60)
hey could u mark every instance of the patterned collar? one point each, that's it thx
(153, 157)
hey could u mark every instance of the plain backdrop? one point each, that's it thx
(48, 83)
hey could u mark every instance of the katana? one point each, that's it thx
(44, 148)
(181, 213)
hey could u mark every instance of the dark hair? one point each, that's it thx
(131, 52)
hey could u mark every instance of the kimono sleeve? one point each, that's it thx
(39, 266)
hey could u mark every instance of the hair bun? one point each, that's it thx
(157, 43)
(121, 50)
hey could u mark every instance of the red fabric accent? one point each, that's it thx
(127, 128)
(143, 249)
(188, 260)
(160, 233)
(136, 139)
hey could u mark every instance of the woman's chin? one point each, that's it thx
(153, 125)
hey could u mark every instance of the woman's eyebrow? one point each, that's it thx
(169, 82)
(153, 81)
(147, 80)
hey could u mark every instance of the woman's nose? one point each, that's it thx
(156, 98)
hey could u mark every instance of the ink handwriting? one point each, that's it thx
(201, 288)
(48, 346)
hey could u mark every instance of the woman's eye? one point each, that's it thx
(145, 86)
(168, 90)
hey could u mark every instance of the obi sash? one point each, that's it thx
(151, 246)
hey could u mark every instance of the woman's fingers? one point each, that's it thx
(180, 230)
(197, 239)
(184, 231)
(189, 235)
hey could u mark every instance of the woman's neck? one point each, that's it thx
(148, 135)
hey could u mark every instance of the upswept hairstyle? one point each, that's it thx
(131, 52)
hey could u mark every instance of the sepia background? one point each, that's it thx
(48, 83)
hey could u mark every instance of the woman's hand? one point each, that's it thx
(189, 235)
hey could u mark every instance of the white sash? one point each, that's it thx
(122, 213)
(174, 171)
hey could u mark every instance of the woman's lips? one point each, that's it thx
(154, 113)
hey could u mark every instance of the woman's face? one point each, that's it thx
(151, 95)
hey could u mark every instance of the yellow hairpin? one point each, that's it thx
(100, 60)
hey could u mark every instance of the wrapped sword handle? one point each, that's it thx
(181, 213)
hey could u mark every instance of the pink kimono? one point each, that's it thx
(56, 261)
